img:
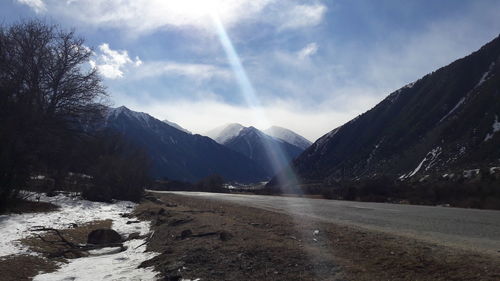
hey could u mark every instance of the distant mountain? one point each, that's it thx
(270, 153)
(289, 136)
(177, 126)
(225, 132)
(179, 155)
(448, 120)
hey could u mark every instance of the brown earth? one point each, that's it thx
(25, 267)
(213, 240)
(26, 206)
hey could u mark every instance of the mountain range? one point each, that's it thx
(237, 153)
(179, 155)
(446, 121)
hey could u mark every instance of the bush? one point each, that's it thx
(121, 171)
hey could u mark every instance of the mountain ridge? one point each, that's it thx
(179, 155)
(438, 123)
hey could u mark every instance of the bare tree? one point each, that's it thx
(48, 92)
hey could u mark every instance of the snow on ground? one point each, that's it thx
(460, 102)
(72, 210)
(100, 266)
(115, 266)
(495, 127)
(429, 160)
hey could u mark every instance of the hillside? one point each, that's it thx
(269, 153)
(446, 121)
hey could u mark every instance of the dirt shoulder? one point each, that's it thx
(215, 240)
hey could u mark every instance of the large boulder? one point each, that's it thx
(104, 236)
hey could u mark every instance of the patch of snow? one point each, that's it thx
(372, 153)
(288, 136)
(485, 75)
(394, 96)
(102, 264)
(494, 170)
(72, 210)
(460, 102)
(111, 266)
(417, 168)
(424, 178)
(430, 159)
(470, 173)
(177, 126)
(495, 127)
(224, 133)
(142, 117)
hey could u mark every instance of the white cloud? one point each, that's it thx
(193, 71)
(308, 50)
(37, 5)
(142, 16)
(112, 63)
(302, 16)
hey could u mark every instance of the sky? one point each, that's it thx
(309, 66)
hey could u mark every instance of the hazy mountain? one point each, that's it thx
(269, 153)
(179, 155)
(447, 120)
(177, 126)
(288, 136)
(223, 133)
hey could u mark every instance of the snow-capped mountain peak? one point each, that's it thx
(177, 126)
(225, 132)
(288, 136)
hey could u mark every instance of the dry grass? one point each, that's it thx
(271, 246)
(76, 235)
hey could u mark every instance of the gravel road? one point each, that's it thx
(460, 228)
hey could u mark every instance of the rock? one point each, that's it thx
(103, 236)
(161, 212)
(131, 222)
(134, 235)
(173, 278)
(225, 236)
(186, 233)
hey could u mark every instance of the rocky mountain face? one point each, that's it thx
(447, 121)
(269, 153)
(289, 136)
(179, 155)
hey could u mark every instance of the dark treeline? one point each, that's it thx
(212, 183)
(51, 104)
(480, 191)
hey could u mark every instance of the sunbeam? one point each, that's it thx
(276, 155)
(288, 181)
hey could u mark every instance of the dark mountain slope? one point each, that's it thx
(444, 121)
(179, 155)
(270, 153)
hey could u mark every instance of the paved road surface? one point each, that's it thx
(463, 228)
